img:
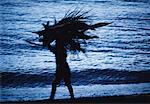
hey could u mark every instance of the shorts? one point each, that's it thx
(62, 75)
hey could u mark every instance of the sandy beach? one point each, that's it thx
(141, 99)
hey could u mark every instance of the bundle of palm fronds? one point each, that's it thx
(70, 30)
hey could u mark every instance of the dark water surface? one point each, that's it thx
(121, 55)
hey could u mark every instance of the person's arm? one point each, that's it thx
(52, 48)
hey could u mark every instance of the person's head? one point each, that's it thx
(46, 36)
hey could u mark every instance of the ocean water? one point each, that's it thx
(119, 57)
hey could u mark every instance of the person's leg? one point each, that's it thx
(69, 86)
(70, 90)
(53, 91)
(54, 85)
(67, 79)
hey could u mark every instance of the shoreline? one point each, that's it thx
(136, 98)
(94, 93)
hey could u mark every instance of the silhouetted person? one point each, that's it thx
(68, 34)
(62, 68)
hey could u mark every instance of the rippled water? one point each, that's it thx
(120, 55)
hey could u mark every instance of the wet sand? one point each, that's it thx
(141, 99)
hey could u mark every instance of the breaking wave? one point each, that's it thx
(89, 76)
